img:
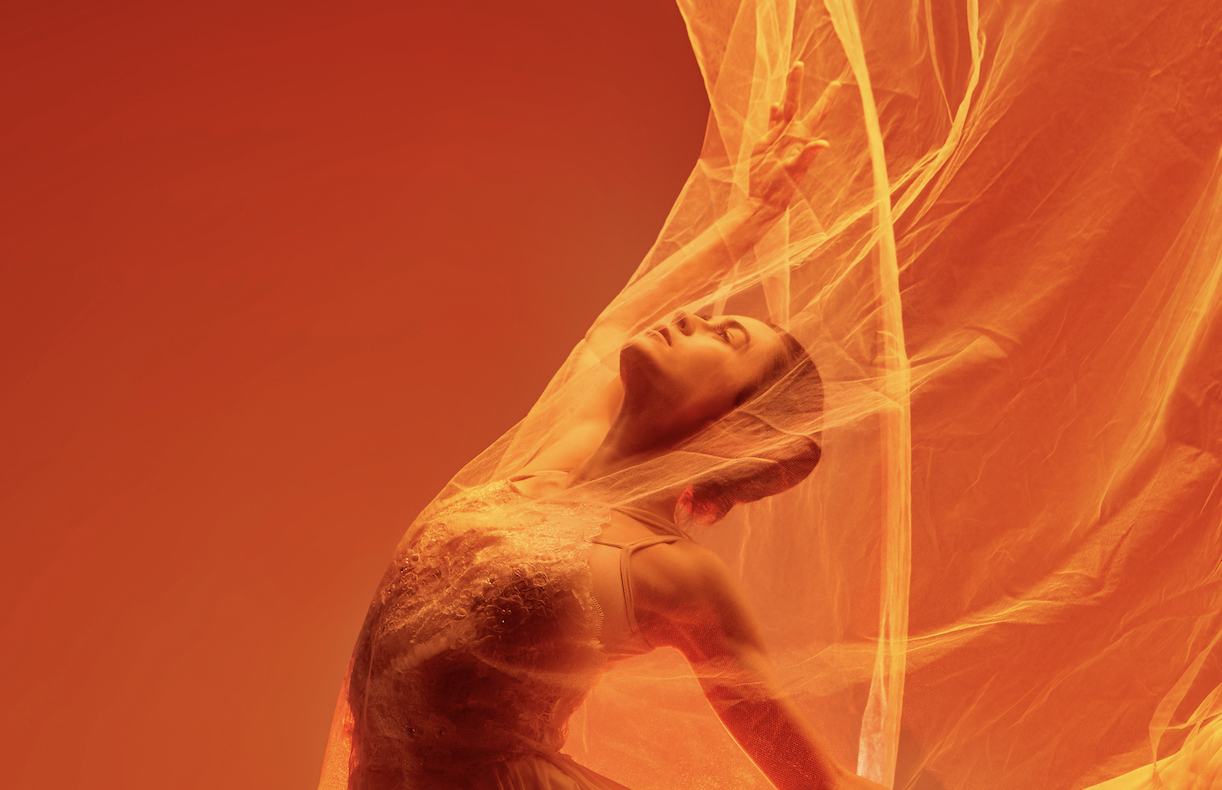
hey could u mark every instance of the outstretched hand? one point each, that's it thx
(782, 156)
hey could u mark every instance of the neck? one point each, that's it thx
(630, 442)
(620, 449)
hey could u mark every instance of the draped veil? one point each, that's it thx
(1006, 571)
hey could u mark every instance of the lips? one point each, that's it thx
(665, 333)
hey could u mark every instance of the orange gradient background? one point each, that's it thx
(270, 275)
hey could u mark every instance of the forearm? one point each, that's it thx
(768, 724)
(686, 597)
(724, 242)
(776, 735)
(781, 742)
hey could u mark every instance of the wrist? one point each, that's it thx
(763, 212)
(746, 224)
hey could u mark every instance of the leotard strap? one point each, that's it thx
(672, 535)
(625, 575)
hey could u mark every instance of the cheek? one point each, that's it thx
(705, 379)
(715, 393)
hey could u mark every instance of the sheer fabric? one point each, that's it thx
(1005, 571)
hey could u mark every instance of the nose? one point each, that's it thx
(689, 324)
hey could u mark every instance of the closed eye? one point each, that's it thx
(728, 325)
(724, 328)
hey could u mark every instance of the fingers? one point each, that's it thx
(819, 111)
(790, 109)
(785, 120)
(776, 125)
(793, 92)
(799, 157)
(810, 152)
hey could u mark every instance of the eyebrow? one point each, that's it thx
(730, 323)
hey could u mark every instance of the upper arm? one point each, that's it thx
(578, 435)
(687, 598)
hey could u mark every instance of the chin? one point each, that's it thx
(637, 348)
(638, 363)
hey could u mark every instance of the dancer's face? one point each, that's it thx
(696, 369)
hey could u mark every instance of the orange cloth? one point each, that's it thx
(1005, 572)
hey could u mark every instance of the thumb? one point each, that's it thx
(811, 150)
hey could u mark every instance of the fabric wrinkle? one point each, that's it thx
(1003, 573)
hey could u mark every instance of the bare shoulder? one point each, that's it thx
(684, 596)
(678, 565)
(681, 581)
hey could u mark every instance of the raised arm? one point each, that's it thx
(779, 162)
(686, 598)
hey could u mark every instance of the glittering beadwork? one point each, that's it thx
(481, 641)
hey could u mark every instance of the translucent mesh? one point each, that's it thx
(1005, 570)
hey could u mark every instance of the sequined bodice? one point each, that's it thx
(481, 641)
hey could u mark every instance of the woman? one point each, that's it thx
(1015, 286)
(505, 601)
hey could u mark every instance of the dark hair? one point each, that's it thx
(770, 441)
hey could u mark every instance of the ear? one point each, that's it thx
(692, 512)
